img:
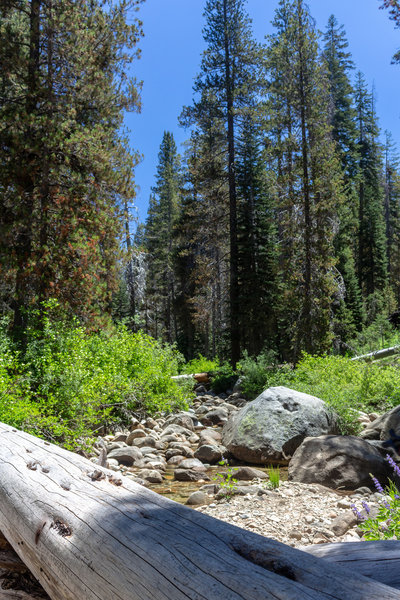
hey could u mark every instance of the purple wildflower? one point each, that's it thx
(366, 507)
(378, 485)
(396, 497)
(394, 465)
(357, 512)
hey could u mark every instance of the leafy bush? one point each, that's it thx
(200, 365)
(224, 379)
(256, 373)
(71, 384)
(345, 385)
(386, 525)
(16, 407)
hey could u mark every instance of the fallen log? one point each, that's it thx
(198, 377)
(379, 560)
(85, 535)
(379, 354)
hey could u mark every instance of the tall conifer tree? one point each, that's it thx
(159, 239)
(65, 169)
(228, 70)
(309, 182)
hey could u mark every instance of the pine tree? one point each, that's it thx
(309, 182)
(372, 258)
(257, 242)
(392, 212)
(228, 71)
(394, 13)
(204, 231)
(65, 169)
(159, 240)
(343, 121)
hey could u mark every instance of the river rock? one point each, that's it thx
(177, 430)
(152, 476)
(248, 474)
(217, 416)
(338, 461)
(189, 475)
(380, 427)
(193, 464)
(197, 499)
(183, 419)
(147, 441)
(210, 436)
(126, 455)
(210, 453)
(270, 428)
(135, 434)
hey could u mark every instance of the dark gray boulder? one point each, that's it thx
(270, 428)
(338, 461)
(380, 427)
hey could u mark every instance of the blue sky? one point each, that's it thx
(171, 54)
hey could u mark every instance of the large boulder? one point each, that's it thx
(272, 427)
(337, 461)
(380, 427)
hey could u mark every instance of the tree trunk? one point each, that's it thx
(379, 560)
(87, 537)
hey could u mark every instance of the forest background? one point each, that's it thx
(276, 234)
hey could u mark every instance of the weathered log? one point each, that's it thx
(378, 354)
(87, 538)
(198, 377)
(379, 560)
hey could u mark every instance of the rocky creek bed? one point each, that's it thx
(180, 456)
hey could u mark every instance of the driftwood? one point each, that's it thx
(85, 537)
(379, 560)
(198, 377)
(378, 354)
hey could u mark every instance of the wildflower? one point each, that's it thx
(357, 512)
(378, 485)
(366, 507)
(394, 465)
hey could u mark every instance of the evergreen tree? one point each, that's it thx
(257, 242)
(159, 240)
(343, 121)
(204, 230)
(392, 212)
(394, 13)
(65, 169)
(372, 258)
(309, 182)
(228, 71)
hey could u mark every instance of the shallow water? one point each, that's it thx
(179, 491)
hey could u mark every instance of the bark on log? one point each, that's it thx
(198, 377)
(87, 538)
(378, 354)
(379, 560)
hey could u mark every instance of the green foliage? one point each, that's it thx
(386, 525)
(255, 373)
(16, 407)
(71, 384)
(226, 480)
(345, 385)
(224, 379)
(274, 477)
(201, 364)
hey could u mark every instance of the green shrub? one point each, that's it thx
(345, 385)
(74, 384)
(256, 373)
(200, 365)
(224, 379)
